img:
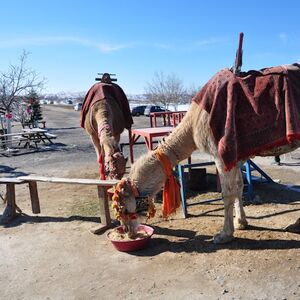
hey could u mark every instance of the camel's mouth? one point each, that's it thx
(130, 227)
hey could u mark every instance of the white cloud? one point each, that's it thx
(161, 46)
(54, 40)
(187, 46)
(283, 37)
(209, 41)
(106, 47)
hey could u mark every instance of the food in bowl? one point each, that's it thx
(117, 235)
(122, 242)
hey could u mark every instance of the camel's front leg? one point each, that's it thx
(100, 156)
(226, 235)
(231, 186)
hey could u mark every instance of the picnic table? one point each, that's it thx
(28, 138)
(37, 135)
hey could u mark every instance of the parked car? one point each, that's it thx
(153, 108)
(138, 110)
(68, 102)
(78, 106)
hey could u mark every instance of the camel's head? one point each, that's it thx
(115, 165)
(124, 205)
(129, 206)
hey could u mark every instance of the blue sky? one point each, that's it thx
(71, 41)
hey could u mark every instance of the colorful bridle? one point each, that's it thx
(118, 203)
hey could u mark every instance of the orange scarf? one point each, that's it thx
(171, 192)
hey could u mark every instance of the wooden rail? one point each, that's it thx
(31, 180)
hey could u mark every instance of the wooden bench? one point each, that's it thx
(50, 137)
(31, 180)
(11, 140)
(43, 124)
(14, 141)
(30, 124)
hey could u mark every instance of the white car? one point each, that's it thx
(78, 106)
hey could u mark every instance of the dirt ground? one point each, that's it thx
(55, 256)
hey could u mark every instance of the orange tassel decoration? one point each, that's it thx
(171, 192)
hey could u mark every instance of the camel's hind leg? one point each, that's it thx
(240, 221)
(232, 188)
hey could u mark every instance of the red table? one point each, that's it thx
(170, 118)
(148, 134)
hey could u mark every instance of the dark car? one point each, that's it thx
(153, 108)
(138, 110)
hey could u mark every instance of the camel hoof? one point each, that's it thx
(222, 238)
(240, 224)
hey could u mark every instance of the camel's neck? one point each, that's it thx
(108, 142)
(104, 125)
(180, 144)
(147, 172)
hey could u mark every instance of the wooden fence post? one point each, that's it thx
(34, 197)
(105, 218)
(10, 209)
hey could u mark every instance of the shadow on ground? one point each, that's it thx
(11, 171)
(187, 241)
(27, 219)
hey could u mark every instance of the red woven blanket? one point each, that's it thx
(253, 112)
(100, 91)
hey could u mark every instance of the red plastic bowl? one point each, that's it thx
(132, 245)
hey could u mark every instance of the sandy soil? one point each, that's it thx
(54, 255)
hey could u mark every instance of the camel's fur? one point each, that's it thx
(106, 117)
(191, 134)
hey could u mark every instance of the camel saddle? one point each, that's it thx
(253, 112)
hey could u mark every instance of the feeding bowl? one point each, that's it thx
(129, 245)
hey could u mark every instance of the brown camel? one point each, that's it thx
(105, 114)
(198, 131)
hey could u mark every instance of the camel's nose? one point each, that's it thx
(131, 228)
(132, 231)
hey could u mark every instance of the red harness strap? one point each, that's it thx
(101, 167)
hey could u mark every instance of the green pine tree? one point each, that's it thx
(35, 107)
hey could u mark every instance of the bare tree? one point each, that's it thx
(16, 83)
(165, 90)
(192, 91)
